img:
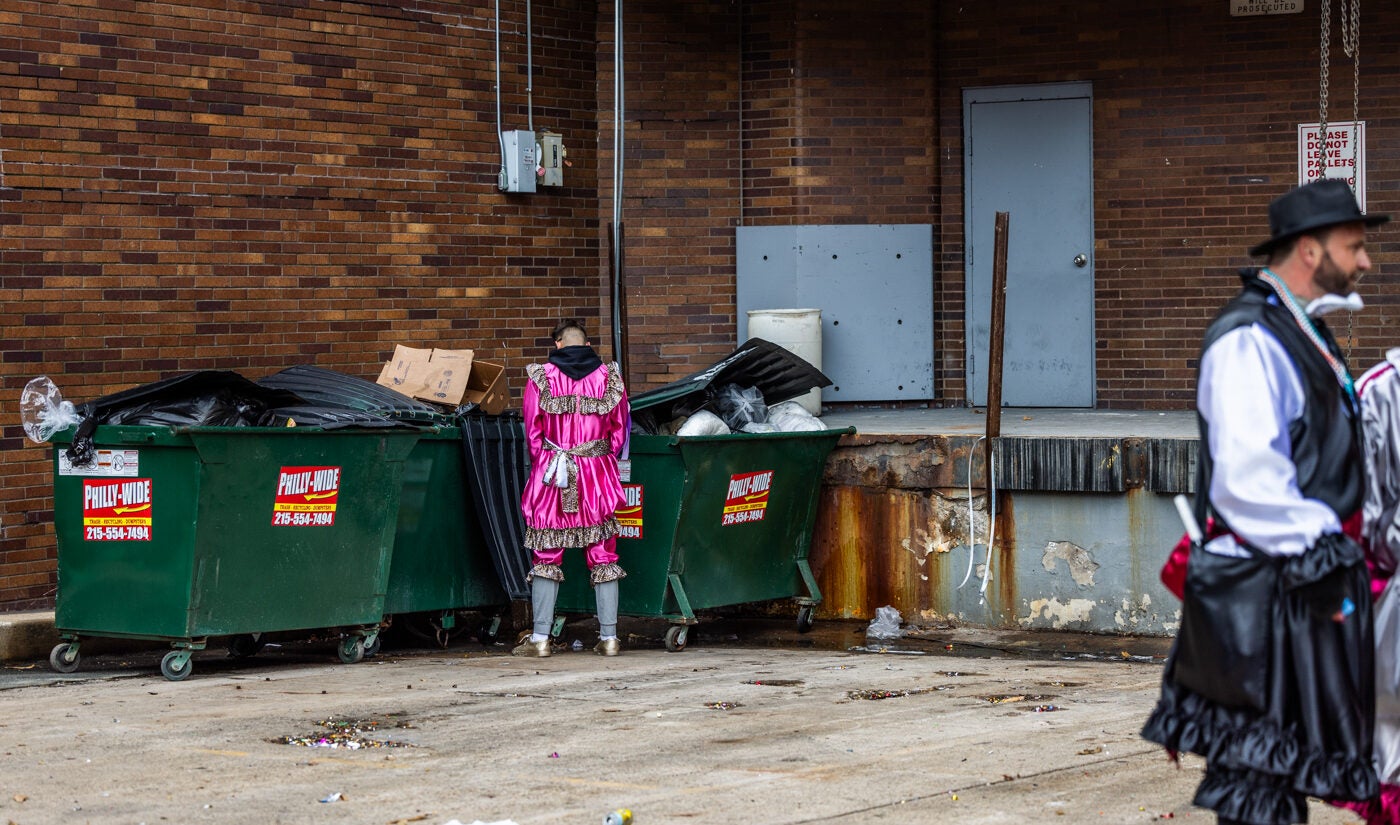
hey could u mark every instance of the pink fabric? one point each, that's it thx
(604, 552)
(600, 490)
(1383, 810)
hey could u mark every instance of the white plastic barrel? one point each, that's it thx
(798, 331)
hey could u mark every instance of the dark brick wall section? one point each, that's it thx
(251, 185)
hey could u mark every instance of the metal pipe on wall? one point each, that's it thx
(618, 307)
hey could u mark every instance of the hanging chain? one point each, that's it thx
(1324, 54)
(1351, 45)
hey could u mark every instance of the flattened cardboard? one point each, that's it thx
(437, 375)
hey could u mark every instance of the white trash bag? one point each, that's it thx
(703, 423)
(792, 417)
(885, 625)
(43, 411)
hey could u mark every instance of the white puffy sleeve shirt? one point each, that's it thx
(1249, 394)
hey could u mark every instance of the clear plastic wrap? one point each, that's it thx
(43, 411)
(738, 406)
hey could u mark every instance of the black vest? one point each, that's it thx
(1326, 439)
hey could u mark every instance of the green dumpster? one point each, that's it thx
(441, 563)
(713, 521)
(179, 534)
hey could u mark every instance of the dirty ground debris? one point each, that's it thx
(792, 747)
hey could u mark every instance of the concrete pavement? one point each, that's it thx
(955, 726)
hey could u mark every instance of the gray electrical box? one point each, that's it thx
(518, 165)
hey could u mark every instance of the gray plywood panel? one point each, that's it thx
(874, 286)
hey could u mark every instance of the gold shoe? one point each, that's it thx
(538, 650)
(608, 647)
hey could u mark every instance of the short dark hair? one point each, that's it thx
(1285, 247)
(568, 324)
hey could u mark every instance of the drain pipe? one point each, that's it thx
(619, 103)
(500, 137)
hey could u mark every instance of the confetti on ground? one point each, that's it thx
(722, 705)
(1003, 699)
(344, 734)
(776, 682)
(1091, 750)
(873, 695)
(1045, 708)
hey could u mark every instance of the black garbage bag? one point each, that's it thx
(215, 398)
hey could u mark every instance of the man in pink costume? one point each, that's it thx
(576, 422)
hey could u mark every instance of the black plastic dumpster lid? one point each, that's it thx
(333, 394)
(776, 372)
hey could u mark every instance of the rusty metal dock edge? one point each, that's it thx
(1082, 526)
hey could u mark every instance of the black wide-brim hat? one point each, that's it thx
(1313, 206)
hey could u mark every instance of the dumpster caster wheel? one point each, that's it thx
(245, 644)
(64, 658)
(804, 618)
(352, 649)
(372, 648)
(489, 633)
(675, 638)
(176, 665)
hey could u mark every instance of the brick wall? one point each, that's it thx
(251, 185)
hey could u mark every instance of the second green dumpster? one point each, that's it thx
(713, 521)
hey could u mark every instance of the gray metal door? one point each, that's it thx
(1029, 152)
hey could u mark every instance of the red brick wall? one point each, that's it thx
(248, 185)
(251, 185)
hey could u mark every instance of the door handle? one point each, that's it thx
(1081, 260)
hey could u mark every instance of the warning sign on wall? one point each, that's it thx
(747, 499)
(306, 497)
(1344, 157)
(1251, 8)
(117, 510)
(629, 516)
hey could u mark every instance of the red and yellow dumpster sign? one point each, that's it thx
(117, 509)
(306, 497)
(747, 498)
(629, 515)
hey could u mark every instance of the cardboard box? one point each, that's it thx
(436, 375)
(486, 387)
(447, 376)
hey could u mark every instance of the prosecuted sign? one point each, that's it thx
(1251, 8)
(1344, 158)
(117, 509)
(306, 497)
(629, 516)
(747, 499)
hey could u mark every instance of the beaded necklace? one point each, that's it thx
(1305, 323)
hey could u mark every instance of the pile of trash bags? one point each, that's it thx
(742, 409)
(748, 391)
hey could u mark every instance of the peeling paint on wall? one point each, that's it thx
(1130, 616)
(1080, 561)
(1059, 614)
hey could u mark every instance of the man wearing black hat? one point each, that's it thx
(1271, 676)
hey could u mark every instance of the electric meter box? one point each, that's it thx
(552, 156)
(519, 164)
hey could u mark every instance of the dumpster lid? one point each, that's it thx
(777, 373)
(336, 397)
